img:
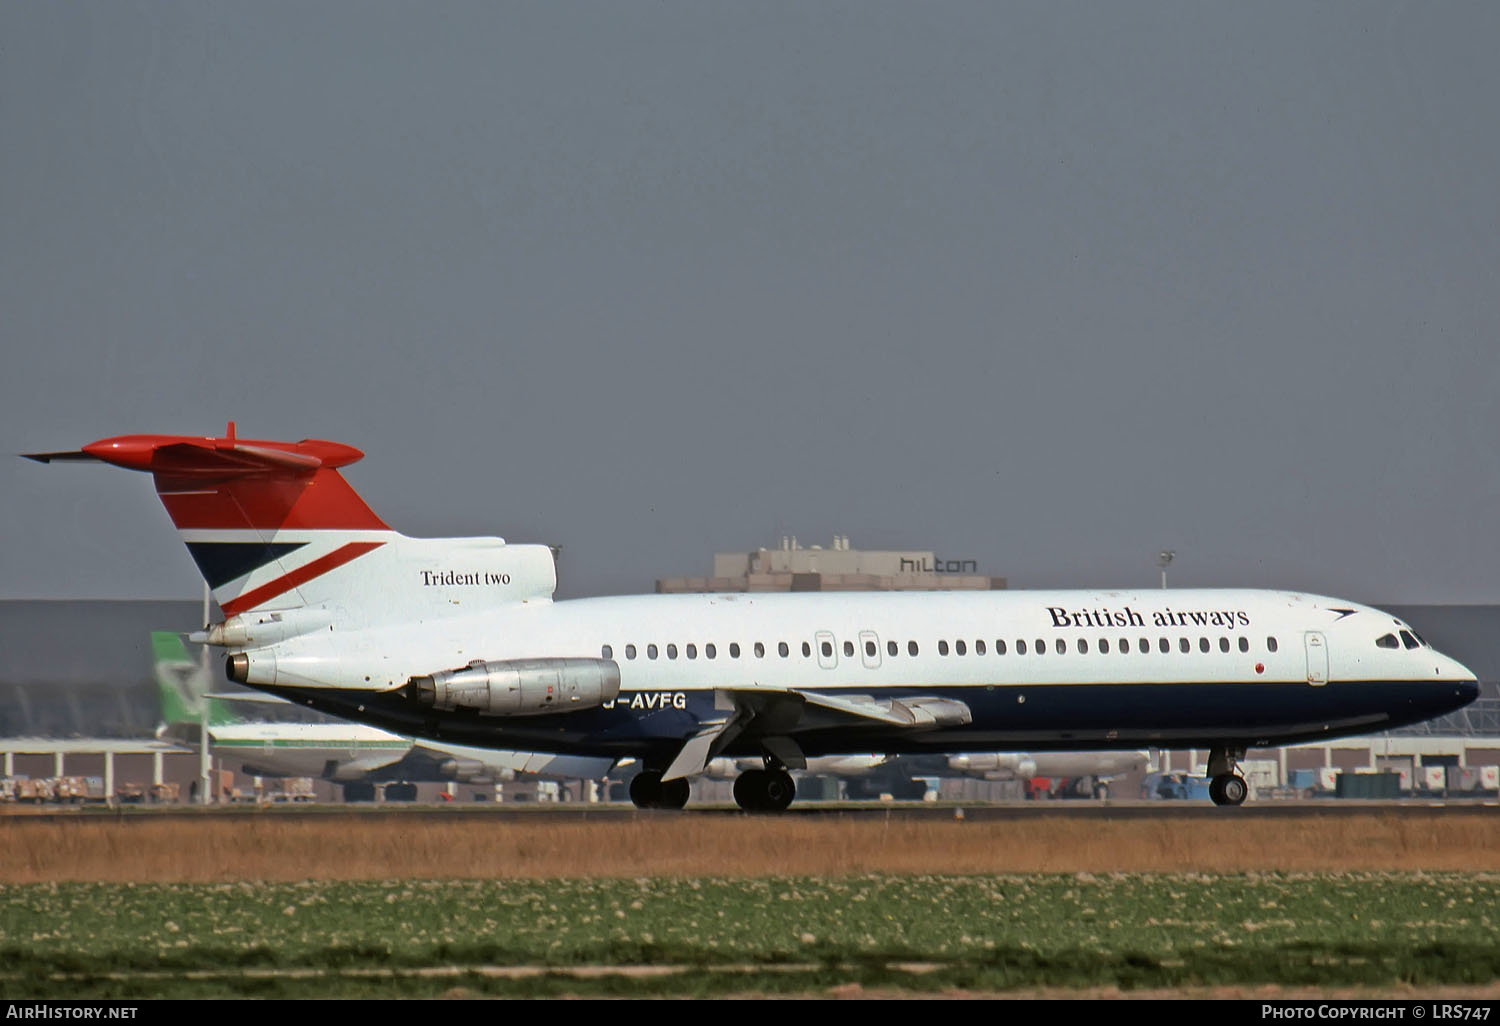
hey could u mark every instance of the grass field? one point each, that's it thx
(289, 846)
(701, 937)
(288, 906)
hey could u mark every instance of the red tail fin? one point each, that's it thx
(260, 518)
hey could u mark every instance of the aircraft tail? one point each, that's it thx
(183, 684)
(274, 528)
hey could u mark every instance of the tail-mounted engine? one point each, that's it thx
(519, 687)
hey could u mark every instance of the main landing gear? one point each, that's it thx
(1226, 786)
(649, 791)
(764, 790)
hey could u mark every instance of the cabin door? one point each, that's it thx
(1317, 658)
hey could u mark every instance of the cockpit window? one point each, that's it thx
(1387, 641)
(1408, 640)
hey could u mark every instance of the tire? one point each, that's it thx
(674, 794)
(747, 790)
(778, 791)
(646, 789)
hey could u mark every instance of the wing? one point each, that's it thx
(774, 718)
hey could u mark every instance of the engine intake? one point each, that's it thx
(519, 687)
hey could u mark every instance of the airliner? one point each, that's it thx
(459, 640)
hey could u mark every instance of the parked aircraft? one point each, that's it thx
(358, 757)
(908, 776)
(1090, 773)
(459, 640)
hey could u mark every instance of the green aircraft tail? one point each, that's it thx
(183, 684)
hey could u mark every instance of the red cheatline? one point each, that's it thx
(317, 568)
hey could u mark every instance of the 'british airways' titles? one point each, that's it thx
(1127, 617)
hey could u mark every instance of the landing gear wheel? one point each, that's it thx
(359, 791)
(747, 788)
(764, 790)
(674, 793)
(400, 792)
(1228, 789)
(779, 790)
(1101, 792)
(646, 789)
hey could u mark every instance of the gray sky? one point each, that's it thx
(1049, 286)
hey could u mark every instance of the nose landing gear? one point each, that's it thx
(1226, 786)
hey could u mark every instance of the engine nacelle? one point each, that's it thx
(520, 687)
(994, 765)
(471, 771)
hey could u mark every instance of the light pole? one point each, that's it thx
(1164, 560)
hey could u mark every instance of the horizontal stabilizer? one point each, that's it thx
(259, 697)
(60, 457)
(229, 456)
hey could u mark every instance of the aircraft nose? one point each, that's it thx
(1468, 690)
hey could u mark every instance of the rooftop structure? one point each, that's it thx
(839, 567)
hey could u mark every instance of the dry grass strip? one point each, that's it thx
(283, 848)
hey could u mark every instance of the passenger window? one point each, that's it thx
(911, 648)
(1244, 644)
(1124, 646)
(760, 651)
(781, 648)
(651, 651)
(629, 651)
(734, 650)
(1020, 646)
(806, 650)
(607, 652)
(892, 648)
(1271, 644)
(1060, 646)
(849, 650)
(999, 646)
(827, 649)
(1083, 646)
(671, 651)
(1145, 646)
(942, 648)
(1202, 644)
(960, 648)
(979, 648)
(870, 649)
(1041, 646)
(1223, 644)
(1184, 645)
(1164, 645)
(1104, 645)
(1387, 641)
(709, 650)
(692, 651)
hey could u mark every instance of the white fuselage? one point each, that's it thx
(1094, 664)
